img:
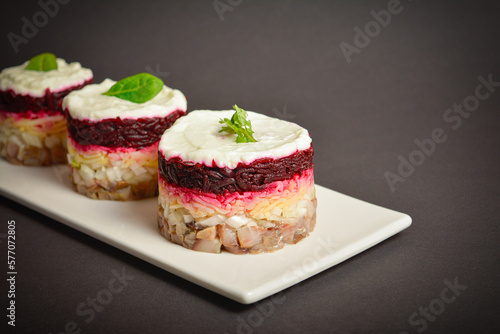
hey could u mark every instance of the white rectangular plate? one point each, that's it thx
(345, 227)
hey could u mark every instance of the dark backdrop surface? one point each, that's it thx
(371, 81)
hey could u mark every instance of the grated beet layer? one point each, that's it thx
(51, 101)
(116, 132)
(245, 177)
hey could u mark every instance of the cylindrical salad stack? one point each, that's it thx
(32, 122)
(226, 180)
(113, 142)
(216, 193)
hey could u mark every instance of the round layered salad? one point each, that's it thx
(32, 122)
(113, 143)
(244, 197)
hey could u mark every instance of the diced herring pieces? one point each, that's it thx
(208, 233)
(227, 236)
(178, 226)
(208, 246)
(249, 236)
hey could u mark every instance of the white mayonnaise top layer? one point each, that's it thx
(34, 83)
(88, 103)
(196, 138)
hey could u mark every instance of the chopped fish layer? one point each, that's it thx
(33, 139)
(120, 174)
(249, 222)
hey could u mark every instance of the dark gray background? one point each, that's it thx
(281, 56)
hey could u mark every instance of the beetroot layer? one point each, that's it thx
(117, 132)
(245, 177)
(10, 101)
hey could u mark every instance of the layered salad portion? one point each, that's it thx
(32, 122)
(245, 186)
(113, 133)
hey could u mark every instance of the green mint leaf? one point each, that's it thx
(138, 88)
(43, 62)
(240, 125)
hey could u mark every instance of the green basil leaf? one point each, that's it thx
(43, 62)
(138, 88)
